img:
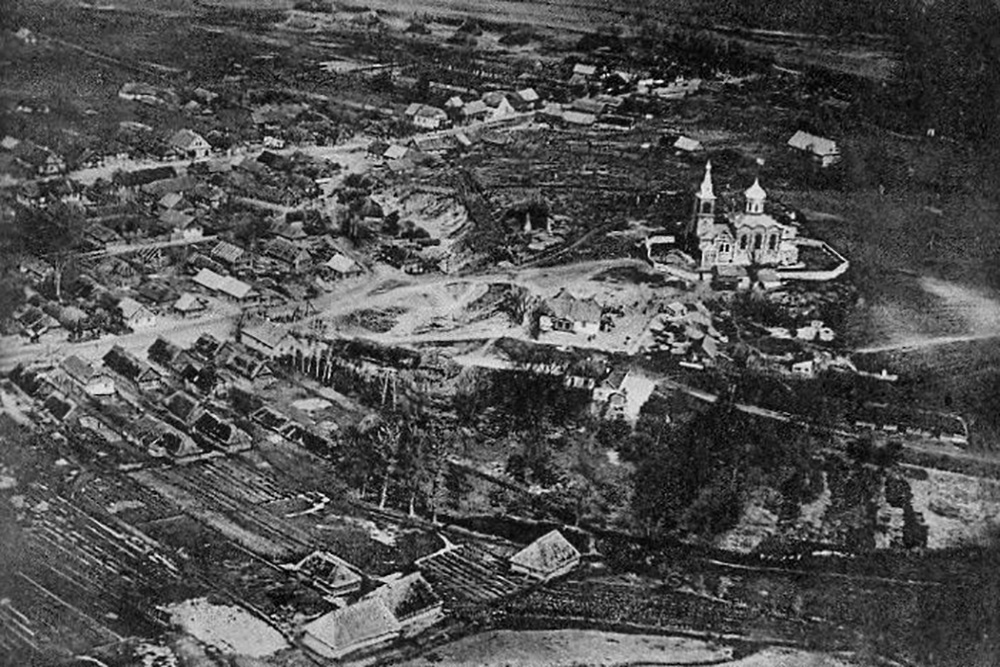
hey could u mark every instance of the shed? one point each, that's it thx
(547, 557)
(361, 625)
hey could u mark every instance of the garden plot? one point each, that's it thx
(957, 509)
(224, 509)
(442, 216)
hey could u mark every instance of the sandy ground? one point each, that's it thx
(558, 648)
(953, 313)
(231, 629)
(958, 509)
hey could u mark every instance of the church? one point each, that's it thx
(750, 238)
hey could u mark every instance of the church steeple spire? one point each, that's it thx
(755, 195)
(707, 191)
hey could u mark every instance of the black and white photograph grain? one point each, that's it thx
(499, 333)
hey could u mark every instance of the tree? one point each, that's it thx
(54, 233)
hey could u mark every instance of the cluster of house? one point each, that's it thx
(404, 605)
(688, 331)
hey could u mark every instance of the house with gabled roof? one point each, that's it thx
(333, 575)
(189, 304)
(266, 338)
(227, 285)
(413, 602)
(230, 254)
(94, 381)
(129, 367)
(183, 406)
(364, 624)
(163, 352)
(190, 144)
(823, 150)
(291, 256)
(136, 315)
(566, 313)
(547, 557)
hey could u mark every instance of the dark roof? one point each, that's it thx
(126, 365)
(163, 352)
(181, 405)
(407, 596)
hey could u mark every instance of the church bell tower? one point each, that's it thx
(704, 204)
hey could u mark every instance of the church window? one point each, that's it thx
(772, 243)
(723, 247)
(706, 207)
(743, 242)
(758, 241)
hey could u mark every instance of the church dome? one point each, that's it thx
(755, 192)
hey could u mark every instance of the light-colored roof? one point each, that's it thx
(267, 334)
(813, 144)
(687, 144)
(395, 152)
(566, 306)
(185, 139)
(176, 219)
(131, 308)
(341, 264)
(528, 95)
(475, 107)
(188, 303)
(353, 625)
(227, 251)
(427, 111)
(579, 118)
(413, 109)
(171, 199)
(586, 70)
(546, 554)
(231, 286)
(455, 102)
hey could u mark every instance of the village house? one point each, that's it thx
(566, 313)
(183, 225)
(266, 338)
(232, 256)
(364, 624)
(499, 105)
(189, 144)
(547, 557)
(526, 99)
(824, 151)
(610, 395)
(341, 266)
(476, 111)
(100, 236)
(126, 365)
(412, 601)
(687, 145)
(39, 160)
(332, 575)
(750, 238)
(135, 315)
(426, 117)
(189, 304)
(290, 256)
(226, 285)
(95, 382)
